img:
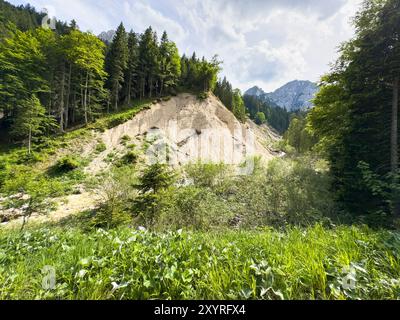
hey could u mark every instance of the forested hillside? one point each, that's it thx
(262, 111)
(55, 80)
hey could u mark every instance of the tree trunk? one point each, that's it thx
(66, 113)
(161, 87)
(30, 140)
(74, 107)
(85, 98)
(116, 98)
(394, 144)
(61, 110)
(128, 96)
(89, 105)
(150, 88)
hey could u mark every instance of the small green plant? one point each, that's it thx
(131, 157)
(67, 164)
(202, 96)
(101, 147)
(125, 139)
(110, 157)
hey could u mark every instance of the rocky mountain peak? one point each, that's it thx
(295, 95)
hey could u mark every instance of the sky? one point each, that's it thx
(261, 42)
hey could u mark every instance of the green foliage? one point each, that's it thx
(232, 99)
(199, 75)
(115, 188)
(22, 17)
(202, 96)
(286, 192)
(130, 158)
(155, 179)
(238, 107)
(207, 175)
(276, 117)
(101, 147)
(170, 64)
(117, 63)
(224, 91)
(296, 264)
(125, 139)
(29, 192)
(298, 135)
(191, 207)
(65, 72)
(260, 118)
(77, 77)
(31, 120)
(67, 163)
(352, 118)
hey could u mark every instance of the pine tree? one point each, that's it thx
(238, 107)
(170, 64)
(131, 76)
(30, 120)
(148, 62)
(117, 63)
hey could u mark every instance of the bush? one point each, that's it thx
(202, 96)
(67, 163)
(101, 147)
(191, 208)
(207, 175)
(117, 192)
(125, 139)
(260, 118)
(130, 158)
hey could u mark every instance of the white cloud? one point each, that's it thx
(262, 42)
(141, 15)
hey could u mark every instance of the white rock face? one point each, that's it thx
(295, 95)
(255, 91)
(189, 130)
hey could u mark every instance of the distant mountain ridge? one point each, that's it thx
(293, 96)
(107, 36)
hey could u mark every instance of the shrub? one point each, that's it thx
(192, 208)
(207, 175)
(117, 192)
(131, 157)
(67, 163)
(110, 157)
(101, 147)
(125, 139)
(260, 118)
(202, 96)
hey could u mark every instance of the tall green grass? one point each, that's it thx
(128, 264)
